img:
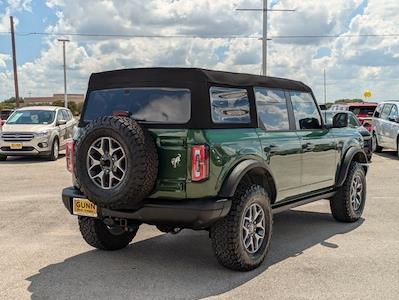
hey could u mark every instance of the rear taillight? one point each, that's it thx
(200, 162)
(70, 155)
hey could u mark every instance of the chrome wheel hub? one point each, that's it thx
(356, 192)
(106, 163)
(253, 228)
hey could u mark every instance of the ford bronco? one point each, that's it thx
(207, 150)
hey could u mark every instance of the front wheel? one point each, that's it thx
(348, 203)
(55, 150)
(100, 236)
(241, 239)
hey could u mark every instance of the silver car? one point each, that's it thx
(37, 130)
(386, 126)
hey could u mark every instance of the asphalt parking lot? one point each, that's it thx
(42, 255)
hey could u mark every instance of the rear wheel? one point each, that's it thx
(348, 203)
(375, 146)
(100, 236)
(241, 239)
(3, 157)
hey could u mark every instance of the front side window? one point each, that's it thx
(305, 111)
(156, 105)
(31, 117)
(272, 109)
(385, 111)
(378, 110)
(353, 122)
(394, 113)
(230, 105)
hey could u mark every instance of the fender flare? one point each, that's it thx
(346, 161)
(240, 170)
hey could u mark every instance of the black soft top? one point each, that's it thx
(130, 77)
(198, 81)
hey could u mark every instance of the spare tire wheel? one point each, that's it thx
(117, 162)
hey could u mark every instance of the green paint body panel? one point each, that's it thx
(300, 161)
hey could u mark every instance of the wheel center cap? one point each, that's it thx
(251, 227)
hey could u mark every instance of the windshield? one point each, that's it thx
(40, 117)
(363, 111)
(159, 105)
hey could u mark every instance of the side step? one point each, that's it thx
(280, 207)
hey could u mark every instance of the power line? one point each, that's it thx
(333, 36)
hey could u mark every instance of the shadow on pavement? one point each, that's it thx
(20, 160)
(387, 154)
(176, 266)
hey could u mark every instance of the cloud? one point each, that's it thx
(353, 64)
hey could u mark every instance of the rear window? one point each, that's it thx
(154, 105)
(363, 110)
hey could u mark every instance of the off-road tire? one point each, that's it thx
(226, 233)
(97, 235)
(375, 146)
(341, 208)
(54, 154)
(141, 156)
(3, 157)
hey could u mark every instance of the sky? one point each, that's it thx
(352, 65)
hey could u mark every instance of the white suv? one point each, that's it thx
(386, 126)
(38, 130)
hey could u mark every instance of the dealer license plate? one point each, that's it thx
(83, 207)
(16, 146)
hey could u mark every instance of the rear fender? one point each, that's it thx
(243, 168)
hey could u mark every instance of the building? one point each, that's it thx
(29, 101)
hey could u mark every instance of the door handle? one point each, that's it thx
(270, 148)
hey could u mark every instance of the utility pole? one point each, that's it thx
(325, 88)
(264, 11)
(14, 62)
(65, 79)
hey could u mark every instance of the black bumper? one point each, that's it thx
(190, 213)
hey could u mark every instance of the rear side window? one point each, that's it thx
(154, 105)
(385, 111)
(272, 109)
(229, 105)
(305, 111)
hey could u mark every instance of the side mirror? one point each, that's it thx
(340, 120)
(394, 119)
(61, 122)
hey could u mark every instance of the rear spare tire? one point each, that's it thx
(117, 162)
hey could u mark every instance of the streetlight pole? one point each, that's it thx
(264, 11)
(65, 79)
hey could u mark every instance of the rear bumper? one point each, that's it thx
(190, 213)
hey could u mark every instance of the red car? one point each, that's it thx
(363, 110)
(4, 114)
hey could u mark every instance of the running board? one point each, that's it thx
(280, 207)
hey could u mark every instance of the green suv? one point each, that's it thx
(207, 150)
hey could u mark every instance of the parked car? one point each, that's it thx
(386, 126)
(41, 130)
(363, 110)
(353, 122)
(4, 114)
(207, 150)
